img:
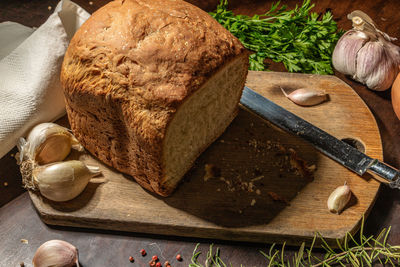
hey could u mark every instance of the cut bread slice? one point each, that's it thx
(201, 119)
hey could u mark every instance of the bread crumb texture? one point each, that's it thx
(128, 71)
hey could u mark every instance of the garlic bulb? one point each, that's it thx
(367, 54)
(63, 181)
(46, 143)
(56, 253)
(339, 198)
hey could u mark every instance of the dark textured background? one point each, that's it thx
(18, 219)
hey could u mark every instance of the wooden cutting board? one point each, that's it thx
(256, 194)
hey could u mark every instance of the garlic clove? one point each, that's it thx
(306, 97)
(344, 55)
(375, 66)
(63, 181)
(57, 253)
(48, 142)
(55, 148)
(339, 198)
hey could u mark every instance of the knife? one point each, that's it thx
(327, 144)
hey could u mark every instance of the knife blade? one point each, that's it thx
(327, 144)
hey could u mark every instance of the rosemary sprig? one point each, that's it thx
(211, 259)
(368, 251)
(302, 40)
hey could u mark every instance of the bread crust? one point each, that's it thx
(129, 68)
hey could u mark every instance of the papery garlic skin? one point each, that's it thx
(48, 142)
(344, 55)
(56, 253)
(339, 198)
(63, 181)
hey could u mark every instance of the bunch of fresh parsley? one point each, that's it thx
(302, 40)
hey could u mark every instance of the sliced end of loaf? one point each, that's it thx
(201, 119)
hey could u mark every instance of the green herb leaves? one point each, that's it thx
(303, 41)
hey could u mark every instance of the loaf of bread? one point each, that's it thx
(149, 85)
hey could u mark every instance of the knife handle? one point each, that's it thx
(384, 173)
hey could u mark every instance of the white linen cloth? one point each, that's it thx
(30, 63)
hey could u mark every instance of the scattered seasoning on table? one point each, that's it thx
(167, 264)
(179, 257)
(91, 3)
(154, 258)
(131, 259)
(49, 7)
(276, 197)
(5, 184)
(143, 252)
(152, 263)
(22, 264)
(24, 241)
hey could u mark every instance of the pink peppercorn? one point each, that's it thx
(143, 252)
